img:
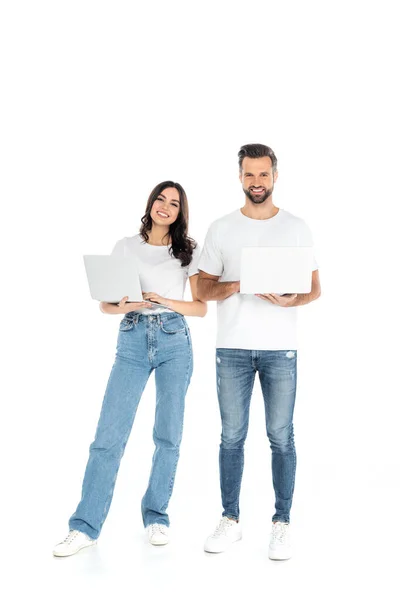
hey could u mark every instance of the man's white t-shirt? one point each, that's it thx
(245, 321)
(159, 272)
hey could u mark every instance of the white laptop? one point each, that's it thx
(111, 278)
(276, 270)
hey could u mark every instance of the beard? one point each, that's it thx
(259, 199)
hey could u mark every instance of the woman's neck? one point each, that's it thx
(158, 236)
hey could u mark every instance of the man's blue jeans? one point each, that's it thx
(236, 370)
(145, 343)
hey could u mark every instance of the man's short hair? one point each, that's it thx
(257, 151)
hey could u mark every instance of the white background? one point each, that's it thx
(101, 101)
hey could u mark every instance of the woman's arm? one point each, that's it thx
(194, 308)
(122, 307)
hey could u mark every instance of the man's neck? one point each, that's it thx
(266, 210)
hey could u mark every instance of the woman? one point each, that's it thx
(150, 338)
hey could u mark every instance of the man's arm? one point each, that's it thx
(209, 288)
(296, 299)
(313, 295)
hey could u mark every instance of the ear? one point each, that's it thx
(240, 176)
(275, 176)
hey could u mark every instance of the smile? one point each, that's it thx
(163, 215)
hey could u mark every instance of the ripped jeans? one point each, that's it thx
(236, 370)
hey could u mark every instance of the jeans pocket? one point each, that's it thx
(126, 324)
(176, 324)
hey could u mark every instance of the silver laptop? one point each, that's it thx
(111, 278)
(276, 270)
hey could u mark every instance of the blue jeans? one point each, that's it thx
(145, 343)
(236, 370)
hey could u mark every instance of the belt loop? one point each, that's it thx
(136, 318)
(158, 319)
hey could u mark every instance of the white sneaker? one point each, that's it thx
(279, 546)
(75, 541)
(158, 534)
(227, 532)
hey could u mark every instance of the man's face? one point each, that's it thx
(258, 178)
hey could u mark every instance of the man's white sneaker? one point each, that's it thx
(227, 532)
(75, 541)
(279, 546)
(158, 534)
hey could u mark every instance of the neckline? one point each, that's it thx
(158, 245)
(260, 220)
(153, 245)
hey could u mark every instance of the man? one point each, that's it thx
(256, 333)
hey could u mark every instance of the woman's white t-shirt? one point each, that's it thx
(159, 272)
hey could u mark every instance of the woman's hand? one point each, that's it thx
(155, 298)
(126, 306)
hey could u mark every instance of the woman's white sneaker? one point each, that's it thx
(227, 532)
(280, 546)
(158, 534)
(75, 541)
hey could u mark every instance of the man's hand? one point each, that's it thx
(236, 287)
(285, 301)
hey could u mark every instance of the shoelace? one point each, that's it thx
(70, 537)
(157, 528)
(223, 526)
(279, 532)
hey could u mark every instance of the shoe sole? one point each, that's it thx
(158, 543)
(273, 556)
(224, 549)
(76, 551)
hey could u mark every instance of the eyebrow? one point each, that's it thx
(173, 199)
(262, 172)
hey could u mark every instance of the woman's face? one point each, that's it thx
(165, 209)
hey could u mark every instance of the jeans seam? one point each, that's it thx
(187, 379)
(172, 480)
(110, 493)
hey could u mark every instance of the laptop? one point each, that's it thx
(276, 270)
(112, 277)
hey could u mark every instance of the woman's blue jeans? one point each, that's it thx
(145, 343)
(236, 370)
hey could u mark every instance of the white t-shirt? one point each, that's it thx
(245, 321)
(159, 272)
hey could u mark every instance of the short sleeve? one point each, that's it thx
(306, 239)
(211, 259)
(193, 268)
(119, 248)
